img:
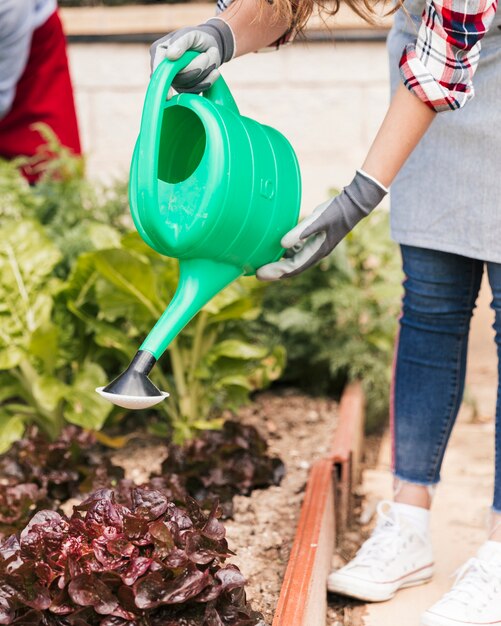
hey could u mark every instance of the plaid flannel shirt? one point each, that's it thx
(438, 68)
(222, 5)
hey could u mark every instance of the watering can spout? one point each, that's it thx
(199, 281)
(133, 389)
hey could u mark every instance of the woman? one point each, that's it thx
(35, 84)
(444, 216)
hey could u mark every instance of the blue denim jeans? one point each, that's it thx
(439, 298)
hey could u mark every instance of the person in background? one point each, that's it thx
(446, 217)
(35, 84)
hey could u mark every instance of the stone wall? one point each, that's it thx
(327, 98)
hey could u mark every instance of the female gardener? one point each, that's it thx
(445, 219)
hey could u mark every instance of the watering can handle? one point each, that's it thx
(220, 94)
(154, 104)
(156, 97)
(164, 75)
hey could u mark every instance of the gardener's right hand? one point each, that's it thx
(214, 40)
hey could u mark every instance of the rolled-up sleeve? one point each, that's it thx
(438, 68)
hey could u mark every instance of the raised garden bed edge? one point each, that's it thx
(324, 515)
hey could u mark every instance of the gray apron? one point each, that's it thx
(448, 195)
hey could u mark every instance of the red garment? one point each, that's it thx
(44, 94)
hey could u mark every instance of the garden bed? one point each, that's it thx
(299, 430)
(262, 526)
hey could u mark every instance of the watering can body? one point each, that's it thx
(210, 187)
(207, 182)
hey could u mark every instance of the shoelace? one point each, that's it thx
(471, 580)
(383, 544)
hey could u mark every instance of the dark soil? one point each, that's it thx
(299, 430)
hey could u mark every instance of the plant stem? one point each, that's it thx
(23, 292)
(178, 370)
(23, 373)
(85, 289)
(197, 343)
(50, 421)
(23, 409)
(170, 403)
(196, 355)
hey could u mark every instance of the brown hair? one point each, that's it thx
(297, 12)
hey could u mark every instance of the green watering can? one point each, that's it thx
(212, 188)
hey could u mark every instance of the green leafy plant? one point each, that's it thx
(59, 333)
(77, 215)
(338, 320)
(215, 363)
(45, 373)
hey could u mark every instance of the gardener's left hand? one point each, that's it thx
(317, 235)
(214, 40)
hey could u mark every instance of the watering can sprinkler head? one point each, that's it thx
(133, 389)
(209, 187)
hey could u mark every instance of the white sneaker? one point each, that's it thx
(396, 555)
(475, 598)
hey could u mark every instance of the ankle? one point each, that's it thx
(495, 527)
(412, 494)
(418, 517)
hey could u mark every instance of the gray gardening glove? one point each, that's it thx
(317, 235)
(214, 40)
